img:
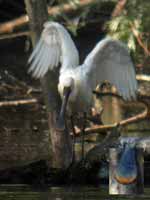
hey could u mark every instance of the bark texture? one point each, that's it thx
(59, 139)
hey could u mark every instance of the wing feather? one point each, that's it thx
(57, 42)
(38, 46)
(39, 69)
(44, 69)
(110, 60)
(35, 61)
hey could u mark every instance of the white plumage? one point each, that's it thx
(109, 60)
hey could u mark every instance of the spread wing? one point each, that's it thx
(55, 46)
(110, 60)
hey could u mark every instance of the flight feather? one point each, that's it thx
(54, 46)
(110, 60)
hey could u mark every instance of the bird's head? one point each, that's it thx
(66, 88)
(66, 85)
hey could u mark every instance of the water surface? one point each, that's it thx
(24, 192)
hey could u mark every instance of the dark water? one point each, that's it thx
(24, 192)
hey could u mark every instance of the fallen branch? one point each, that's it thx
(136, 118)
(101, 128)
(142, 77)
(18, 102)
(9, 26)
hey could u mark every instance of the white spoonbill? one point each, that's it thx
(109, 60)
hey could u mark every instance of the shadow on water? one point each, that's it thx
(24, 192)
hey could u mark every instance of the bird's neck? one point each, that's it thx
(66, 66)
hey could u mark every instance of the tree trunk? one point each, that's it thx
(60, 139)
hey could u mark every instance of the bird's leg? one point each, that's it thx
(83, 133)
(74, 137)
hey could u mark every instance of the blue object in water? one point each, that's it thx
(126, 171)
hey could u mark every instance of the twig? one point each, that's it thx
(18, 82)
(18, 102)
(139, 39)
(14, 35)
(9, 26)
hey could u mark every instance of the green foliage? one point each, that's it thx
(120, 28)
(88, 14)
(70, 22)
(136, 13)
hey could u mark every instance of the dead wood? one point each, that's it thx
(14, 35)
(18, 102)
(8, 27)
(143, 77)
(139, 39)
(102, 128)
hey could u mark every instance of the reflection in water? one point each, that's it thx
(62, 193)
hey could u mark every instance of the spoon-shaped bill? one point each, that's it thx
(60, 124)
